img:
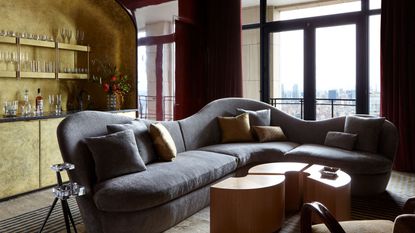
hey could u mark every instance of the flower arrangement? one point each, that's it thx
(111, 79)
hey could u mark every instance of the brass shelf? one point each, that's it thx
(37, 75)
(8, 74)
(80, 48)
(37, 43)
(72, 76)
(8, 40)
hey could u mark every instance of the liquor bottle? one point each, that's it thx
(26, 104)
(39, 102)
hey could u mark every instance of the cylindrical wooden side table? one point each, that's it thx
(293, 180)
(332, 193)
(250, 204)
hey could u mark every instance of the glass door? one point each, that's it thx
(287, 71)
(335, 71)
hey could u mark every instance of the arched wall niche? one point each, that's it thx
(109, 30)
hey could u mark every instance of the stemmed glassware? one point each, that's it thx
(58, 106)
(68, 35)
(51, 102)
(63, 34)
(80, 35)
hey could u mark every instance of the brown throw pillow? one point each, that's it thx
(269, 133)
(163, 142)
(235, 129)
(368, 129)
(341, 140)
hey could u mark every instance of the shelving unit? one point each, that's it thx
(44, 44)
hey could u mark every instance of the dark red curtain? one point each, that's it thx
(208, 53)
(190, 59)
(224, 59)
(398, 75)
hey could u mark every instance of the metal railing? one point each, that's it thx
(148, 110)
(333, 103)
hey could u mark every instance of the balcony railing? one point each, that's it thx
(325, 107)
(147, 107)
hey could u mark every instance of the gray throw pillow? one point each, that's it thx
(368, 129)
(115, 155)
(142, 138)
(257, 118)
(341, 140)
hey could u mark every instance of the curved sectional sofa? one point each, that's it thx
(168, 192)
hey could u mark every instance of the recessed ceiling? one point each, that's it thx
(249, 3)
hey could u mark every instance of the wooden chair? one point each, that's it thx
(404, 223)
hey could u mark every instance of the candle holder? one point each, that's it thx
(63, 192)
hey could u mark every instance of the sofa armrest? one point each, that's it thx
(404, 223)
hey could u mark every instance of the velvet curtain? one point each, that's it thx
(208, 54)
(398, 75)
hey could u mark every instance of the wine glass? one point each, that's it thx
(51, 102)
(68, 35)
(7, 59)
(58, 106)
(63, 34)
(79, 36)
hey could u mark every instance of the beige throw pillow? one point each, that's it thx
(269, 133)
(235, 129)
(163, 142)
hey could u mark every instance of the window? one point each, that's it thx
(155, 84)
(325, 67)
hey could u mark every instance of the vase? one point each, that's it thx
(111, 101)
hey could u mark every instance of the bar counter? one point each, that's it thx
(29, 147)
(51, 115)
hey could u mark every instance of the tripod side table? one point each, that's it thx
(63, 192)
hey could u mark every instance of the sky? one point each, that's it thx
(335, 51)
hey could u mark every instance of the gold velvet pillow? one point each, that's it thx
(235, 129)
(163, 142)
(269, 133)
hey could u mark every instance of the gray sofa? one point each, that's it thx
(168, 192)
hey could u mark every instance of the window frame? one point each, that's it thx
(359, 18)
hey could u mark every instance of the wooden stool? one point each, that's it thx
(250, 204)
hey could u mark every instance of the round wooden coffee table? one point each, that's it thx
(332, 193)
(304, 183)
(293, 180)
(250, 204)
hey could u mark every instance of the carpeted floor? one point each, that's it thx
(385, 206)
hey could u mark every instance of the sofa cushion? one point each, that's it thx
(162, 181)
(142, 138)
(341, 140)
(163, 142)
(174, 129)
(368, 129)
(269, 133)
(115, 154)
(353, 162)
(253, 151)
(235, 129)
(258, 118)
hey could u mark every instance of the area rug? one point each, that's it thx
(32, 221)
(385, 206)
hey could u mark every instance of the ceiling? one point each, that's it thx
(156, 13)
(249, 3)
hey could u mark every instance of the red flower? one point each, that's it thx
(113, 78)
(106, 87)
